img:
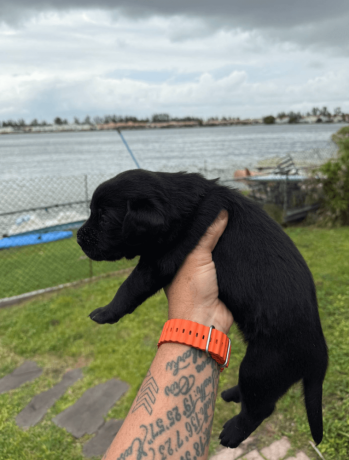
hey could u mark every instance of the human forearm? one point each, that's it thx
(172, 415)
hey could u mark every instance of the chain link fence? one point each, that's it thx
(39, 218)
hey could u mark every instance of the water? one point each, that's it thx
(44, 170)
(65, 154)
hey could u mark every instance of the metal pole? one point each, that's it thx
(285, 197)
(128, 148)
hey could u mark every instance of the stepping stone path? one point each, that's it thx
(98, 445)
(35, 411)
(25, 373)
(86, 416)
(276, 451)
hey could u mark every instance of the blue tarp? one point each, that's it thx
(36, 238)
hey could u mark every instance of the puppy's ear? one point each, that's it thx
(143, 218)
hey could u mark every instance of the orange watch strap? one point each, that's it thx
(196, 335)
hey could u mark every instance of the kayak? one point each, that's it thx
(36, 238)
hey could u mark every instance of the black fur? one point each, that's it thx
(262, 279)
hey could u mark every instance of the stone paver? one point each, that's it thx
(228, 454)
(28, 371)
(86, 415)
(35, 411)
(231, 454)
(299, 456)
(99, 444)
(277, 449)
(253, 455)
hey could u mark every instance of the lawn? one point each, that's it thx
(56, 333)
(29, 268)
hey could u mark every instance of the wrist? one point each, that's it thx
(220, 323)
(197, 335)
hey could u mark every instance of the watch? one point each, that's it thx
(215, 343)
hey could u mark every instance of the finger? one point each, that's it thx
(215, 231)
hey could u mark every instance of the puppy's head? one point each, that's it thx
(127, 213)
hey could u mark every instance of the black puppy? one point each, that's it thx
(262, 279)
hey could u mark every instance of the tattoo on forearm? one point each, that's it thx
(182, 433)
(182, 387)
(183, 361)
(146, 395)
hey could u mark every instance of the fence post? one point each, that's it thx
(285, 197)
(87, 210)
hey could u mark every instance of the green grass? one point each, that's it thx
(29, 268)
(56, 333)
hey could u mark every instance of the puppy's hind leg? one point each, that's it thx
(265, 375)
(233, 394)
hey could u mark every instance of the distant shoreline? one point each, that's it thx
(64, 128)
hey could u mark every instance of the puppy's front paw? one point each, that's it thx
(104, 315)
(233, 433)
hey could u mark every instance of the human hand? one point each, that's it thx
(193, 293)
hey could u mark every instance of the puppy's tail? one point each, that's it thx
(313, 403)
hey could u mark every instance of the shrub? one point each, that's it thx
(269, 120)
(329, 185)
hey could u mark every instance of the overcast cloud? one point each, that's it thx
(202, 58)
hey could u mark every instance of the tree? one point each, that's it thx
(8, 123)
(58, 121)
(98, 120)
(34, 122)
(337, 111)
(294, 117)
(87, 120)
(160, 117)
(324, 112)
(269, 120)
(76, 121)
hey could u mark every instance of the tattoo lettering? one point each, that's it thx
(179, 441)
(175, 365)
(201, 390)
(146, 396)
(182, 387)
(174, 416)
(207, 405)
(207, 362)
(189, 405)
(136, 449)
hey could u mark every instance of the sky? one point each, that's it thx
(230, 58)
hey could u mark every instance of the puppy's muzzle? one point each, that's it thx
(87, 237)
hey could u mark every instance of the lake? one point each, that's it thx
(46, 170)
(222, 148)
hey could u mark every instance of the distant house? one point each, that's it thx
(309, 119)
(282, 121)
(7, 130)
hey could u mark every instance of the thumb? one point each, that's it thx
(214, 232)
